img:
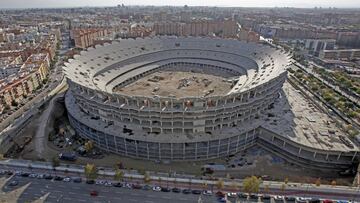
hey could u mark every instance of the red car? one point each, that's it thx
(94, 193)
(220, 194)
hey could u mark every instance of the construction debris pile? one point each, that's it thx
(185, 82)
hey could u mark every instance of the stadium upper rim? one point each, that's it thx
(106, 66)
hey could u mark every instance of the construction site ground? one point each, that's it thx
(178, 84)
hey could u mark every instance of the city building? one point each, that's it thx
(84, 37)
(340, 54)
(249, 36)
(316, 45)
(226, 28)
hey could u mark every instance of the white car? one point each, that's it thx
(207, 192)
(33, 175)
(100, 182)
(129, 185)
(156, 189)
(278, 197)
(108, 184)
(67, 179)
(231, 194)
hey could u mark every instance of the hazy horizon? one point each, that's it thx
(224, 3)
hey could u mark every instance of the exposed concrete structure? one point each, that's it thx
(178, 128)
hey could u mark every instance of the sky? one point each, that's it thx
(225, 3)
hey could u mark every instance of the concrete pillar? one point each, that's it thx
(338, 156)
(116, 148)
(272, 139)
(237, 143)
(195, 150)
(354, 156)
(183, 150)
(299, 150)
(284, 144)
(314, 155)
(136, 148)
(228, 148)
(147, 150)
(208, 150)
(171, 151)
(218, 151)
(159, 150)
(126, 152)
(327, 157)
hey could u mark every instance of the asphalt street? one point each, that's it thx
(80, 192)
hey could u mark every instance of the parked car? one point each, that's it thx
(186, 191)
(146, 187)
(100, 182)
(220, 194)
(58, 178)
(108, 183)
(33, 175)
(231, 194)
(176, 190)
(156, 188)
(207, 192)
(77, 180)
(48, 177)
(13, 183)
(90, 182)
(67, 179)
(117, 184)
(129, 185)
(165, 189)
(137, 186)
(196, 192)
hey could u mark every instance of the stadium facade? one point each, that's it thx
(167, 127)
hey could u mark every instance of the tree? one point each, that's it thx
(147, 178)
(286, 180)
(159, 180)
(318, 182)
(55, 163)
(333, 183)
(251, 184)
(283, 187)
(220, 184)
(89, 145)
(119, 174)
(90, 171)
(234, 186)
(267, 188)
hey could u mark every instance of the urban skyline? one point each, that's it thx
(211, 3)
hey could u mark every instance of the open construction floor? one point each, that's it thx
(177, 84)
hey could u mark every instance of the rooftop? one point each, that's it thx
(299, 120)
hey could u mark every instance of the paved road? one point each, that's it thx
(80, 192)
(40, 136)
(293, 189)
